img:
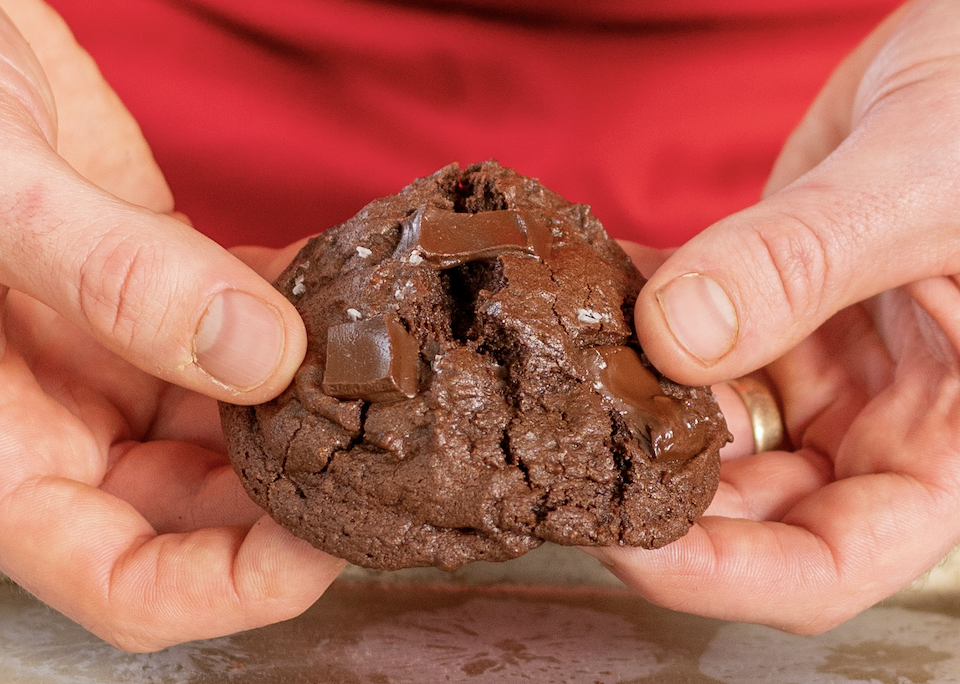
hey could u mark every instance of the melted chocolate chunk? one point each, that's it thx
(622, 377)
(448, 238)
(374, 359)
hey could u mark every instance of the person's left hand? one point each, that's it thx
(123, 503)
(118, 506)
(843, 283)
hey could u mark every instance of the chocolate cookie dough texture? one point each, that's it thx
(473, 387)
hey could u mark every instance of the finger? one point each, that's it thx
(94, 557)
(842, 551)
(106, 568)
(95, 132)
(113, 399)
(737, 417)
(4, 292)
(859, 534)
(146, 286)
(24, 85)
(184, 416)
(877, 212)
(766, 486)
(179, 487)
(828, 121)
(824, 383)
(648, 260)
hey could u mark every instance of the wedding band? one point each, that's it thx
(765, 418)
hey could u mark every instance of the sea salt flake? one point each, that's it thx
(588, 316)
(354, 315)
(298, 287)
(415, 258)
(363, 252)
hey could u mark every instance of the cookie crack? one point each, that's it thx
(511, 458)
(623, 463)
(361, 436)
(288, 448)
(468, 288)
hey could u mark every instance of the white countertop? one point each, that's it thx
(552, 617)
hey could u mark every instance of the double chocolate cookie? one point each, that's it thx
(473, 387)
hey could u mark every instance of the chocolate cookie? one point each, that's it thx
(474, 387)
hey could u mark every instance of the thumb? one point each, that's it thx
(875, 208)
(145, 285)
(148, 287)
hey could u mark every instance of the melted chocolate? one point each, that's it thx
(447, 238)
(373, 359)
(622, 377)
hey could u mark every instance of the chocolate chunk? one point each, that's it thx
(308, 385)
(622, 377)
(447, 238)
(374, 359)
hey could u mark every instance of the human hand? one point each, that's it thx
(843, 283)
(120, 327)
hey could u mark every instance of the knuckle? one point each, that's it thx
(802, 263)
(118, 287)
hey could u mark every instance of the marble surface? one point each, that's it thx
(554, 616)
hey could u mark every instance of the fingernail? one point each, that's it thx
(239, 340)
(700, 315)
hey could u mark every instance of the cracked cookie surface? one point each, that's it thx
(473, 387)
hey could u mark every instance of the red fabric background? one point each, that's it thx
(274, 119)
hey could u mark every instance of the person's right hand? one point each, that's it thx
(120, 327)
(843, 285)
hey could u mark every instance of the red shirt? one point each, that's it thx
(274, 119)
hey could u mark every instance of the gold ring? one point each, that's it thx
(765, 418)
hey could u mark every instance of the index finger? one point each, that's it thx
(94, 557)
(105, 567)
(845, 521)
(855, 543)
